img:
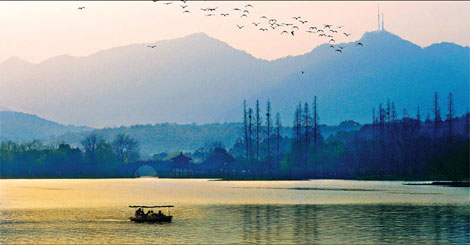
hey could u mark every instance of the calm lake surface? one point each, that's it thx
(290, 212)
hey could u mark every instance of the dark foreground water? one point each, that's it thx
(299, 212)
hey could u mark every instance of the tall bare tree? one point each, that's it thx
(269, 122)
(437, 115)
(278, 137)
(450, 116)
(245, 130)
(258, 128)
(316, 121)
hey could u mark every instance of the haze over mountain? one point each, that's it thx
(203, 80)
(18, 126)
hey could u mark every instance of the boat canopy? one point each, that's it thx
(164, 206)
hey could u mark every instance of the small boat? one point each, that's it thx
(150, 216)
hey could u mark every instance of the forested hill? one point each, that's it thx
(170, 137)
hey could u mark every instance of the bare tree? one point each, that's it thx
(258, 128)
(307, 125)
(125, 148)
(269, 123)
(245, 130)
(437, 115)
(90, 144)
(450, 115)
(250, 133)
(316, 120)
(278, 137)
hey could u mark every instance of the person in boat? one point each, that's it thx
(160, 213)
(139, 212)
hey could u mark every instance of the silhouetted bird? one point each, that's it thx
(184, 6)
(313, 28)
(326, 26)
(81, 8)
(263, 29)
(256, 24)
(295, 27)
(347, 34)
(339, 51)
(292, 32)
(186, 11)
(303, 21)
(284, 32)
(246, 11)
(240, 27)
(237, 9)
(263, 17)
(331, 40)
(168, 3)
(339, 27)
(244, 15)
(208, 15)
(224, 14)
(359, 44)
(248, 5)
(152, 46)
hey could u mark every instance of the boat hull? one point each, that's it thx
(165, 219)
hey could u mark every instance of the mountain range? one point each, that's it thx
(203, 80)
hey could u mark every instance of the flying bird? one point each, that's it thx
(208, 15)
(292, 32)
(331, 40)
(246, 11)
(303, 21)
(302, 72)
(339, 27)
(80, 8)
(184, 6)
(256, 24)
(263, 17)
(295, 27)
(237, 9)
(224, 14)
(359, 44)
(152, 46)
(313, 28)
(244, 15)
(263, 29)
(186, 11)
(168, 3)
(284, 32)
(296, 18)
(338, 50)
(248, 5)
(240, 27)
(326, 26)
(347, 34)
(184, 1)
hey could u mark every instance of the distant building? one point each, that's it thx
(181, 164)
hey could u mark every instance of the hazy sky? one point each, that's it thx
(35, 31)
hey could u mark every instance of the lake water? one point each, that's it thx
(290, 212)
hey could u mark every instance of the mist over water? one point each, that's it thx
(317, 211)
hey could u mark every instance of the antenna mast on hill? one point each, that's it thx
(378, 17)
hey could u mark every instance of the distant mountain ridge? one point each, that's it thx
(19, 126)
(203, 80)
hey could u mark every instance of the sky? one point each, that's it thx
(35, 31)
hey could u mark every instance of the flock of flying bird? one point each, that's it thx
(264, 23)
